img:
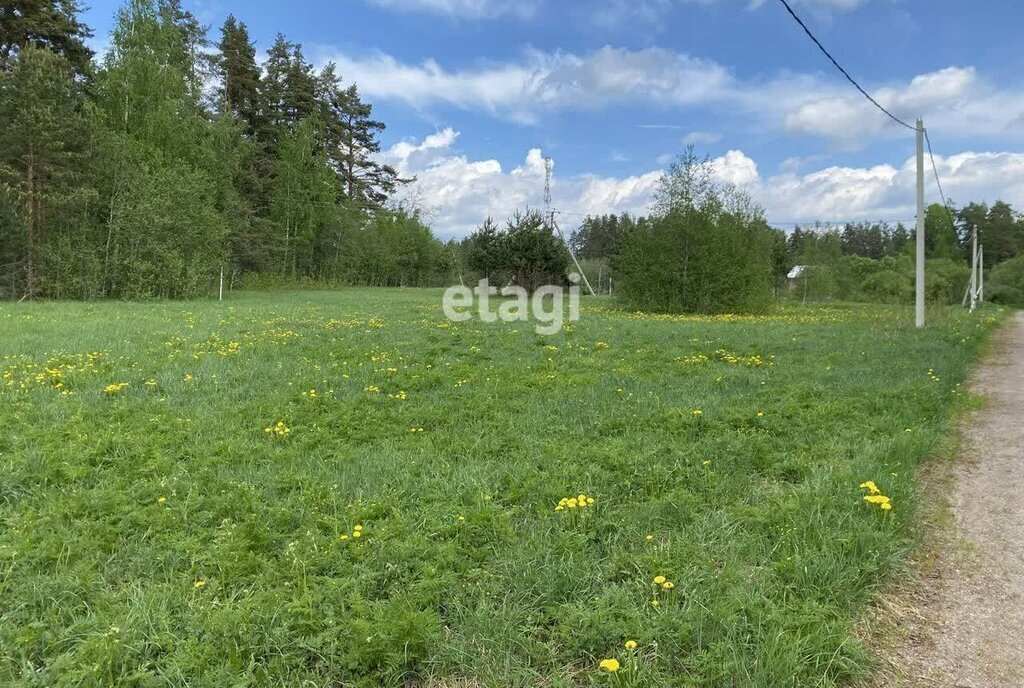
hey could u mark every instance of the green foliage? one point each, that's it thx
(1000, 230)
(46, 127)
(888, 286)
(706, 249)
(945, 280)
(1005, 283)
(125, 180)
(526, 252)
(157, 535)
(48, 24)
(602, 236)
(940, 233)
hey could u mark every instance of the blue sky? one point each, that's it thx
(474, 92)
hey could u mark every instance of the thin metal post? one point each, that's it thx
(221, 283)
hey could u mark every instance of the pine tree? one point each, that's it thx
(290, 91)
(351, 141)
(241, 76)
(52, 24)
(40, 153)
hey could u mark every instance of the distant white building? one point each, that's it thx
(796, 273)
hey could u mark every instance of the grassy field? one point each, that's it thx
(345, 489)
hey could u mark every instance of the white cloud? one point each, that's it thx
(544, 81)
(956, 100)
(460, 193)
(705, 138)
(735, 168)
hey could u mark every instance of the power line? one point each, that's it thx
(935, 169)
(840, 68)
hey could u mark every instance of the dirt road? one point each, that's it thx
(971, 630)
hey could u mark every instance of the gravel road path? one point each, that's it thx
(971, 630)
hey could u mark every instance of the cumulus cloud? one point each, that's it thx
(459, 192)
(956, 99)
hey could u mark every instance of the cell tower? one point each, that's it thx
(549, 217)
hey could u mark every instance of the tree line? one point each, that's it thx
(704, 245)
(144, 171)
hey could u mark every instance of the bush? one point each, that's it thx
(525, 252)
(706, 249)
(888, 286)
(1005, 283)
(945, 280)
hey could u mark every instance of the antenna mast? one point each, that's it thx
(549, 217)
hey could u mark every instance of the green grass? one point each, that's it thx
(159, 536)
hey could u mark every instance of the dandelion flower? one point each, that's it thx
(630, 645)
(658, 580)
(886, 506)
(161, 500)
(668, 585)
(610, 665)
(199, 584)
(649, 538)
(870, 486)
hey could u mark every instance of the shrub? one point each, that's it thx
(888, 286)
(1005, 283)
(525, 252)
(945, 280)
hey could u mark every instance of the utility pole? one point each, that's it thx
(919, 300)
(981, 273)
(221, 298)
(974, 268)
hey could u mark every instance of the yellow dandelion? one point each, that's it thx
(609, 665)
(658, 580)
(199, 584)
(649, 538)
(668, 585)
(630, 645)
(161, 500)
